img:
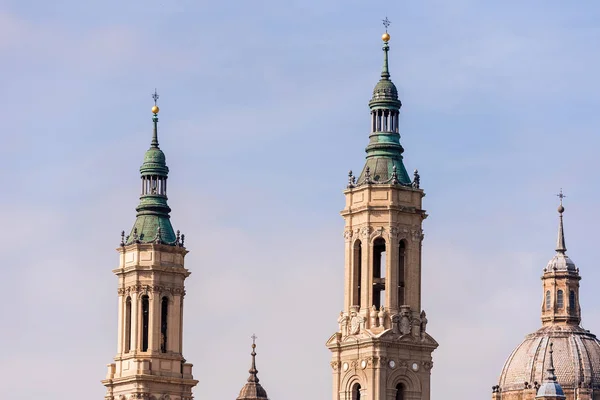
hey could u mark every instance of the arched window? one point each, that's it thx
(356, 273)
(401, 260)
(164, 313)
(559, 299)
(399, 391)
(145, 320)
(356, 391)
(572, 300)
(127, 332)
(547, 300)
(378, 272)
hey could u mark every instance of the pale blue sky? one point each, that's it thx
(263, 112)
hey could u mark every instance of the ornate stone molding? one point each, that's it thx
(150, 289)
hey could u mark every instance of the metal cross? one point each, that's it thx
(561, 196)
(386, 23)
(155, 96)
(253, 337)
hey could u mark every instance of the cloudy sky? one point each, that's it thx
(263, 112)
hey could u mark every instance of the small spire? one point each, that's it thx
(253, 371)
(551, 376)
(385, 72)
(560, 243)
(155, 111)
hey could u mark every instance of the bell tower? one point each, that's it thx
(149, 363)
(382, 350)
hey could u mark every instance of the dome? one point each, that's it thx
(561, 262)
(155, 155)
(155, 162)
(550, 389)
(251, 391)
(576, 359)
(385, 90)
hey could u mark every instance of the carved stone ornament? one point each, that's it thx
(342, 321)
(354, 325)
(348, 234)
(365, 231)
(417, 235)
(405, 322)
(423, 322)
(404, 325)
(427, 365)
(335, 365)
(395, 323)
(151, 289)
(394, 232)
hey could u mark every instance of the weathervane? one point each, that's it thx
(386, 23)
(561, 196)
(155, 109)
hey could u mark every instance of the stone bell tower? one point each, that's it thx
(149, 363)
(382, 350)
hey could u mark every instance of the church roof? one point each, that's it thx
(384, 152)
(576, 359)
(562, 347)
(153, 223)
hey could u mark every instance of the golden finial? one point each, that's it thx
(386, 36)
(155, 108)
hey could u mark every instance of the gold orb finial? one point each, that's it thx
(385, 37)
(155, 109)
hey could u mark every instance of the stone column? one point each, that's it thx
(174, 323)
(154, 323)
(121, 325)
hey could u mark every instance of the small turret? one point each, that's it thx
(253, 390)
(550, 388)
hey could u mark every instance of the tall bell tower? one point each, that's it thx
(149, 363)
(382, 350)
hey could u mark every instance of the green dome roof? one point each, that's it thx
(385, 90)
(155, 162)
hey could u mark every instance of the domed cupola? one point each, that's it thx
(560, 261)
(253, 390)
(384, 153)
(561, 347)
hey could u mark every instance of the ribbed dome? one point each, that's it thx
(561, 262)
(385, 90)
(252, 391)
(576, 359)
(550, 389)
